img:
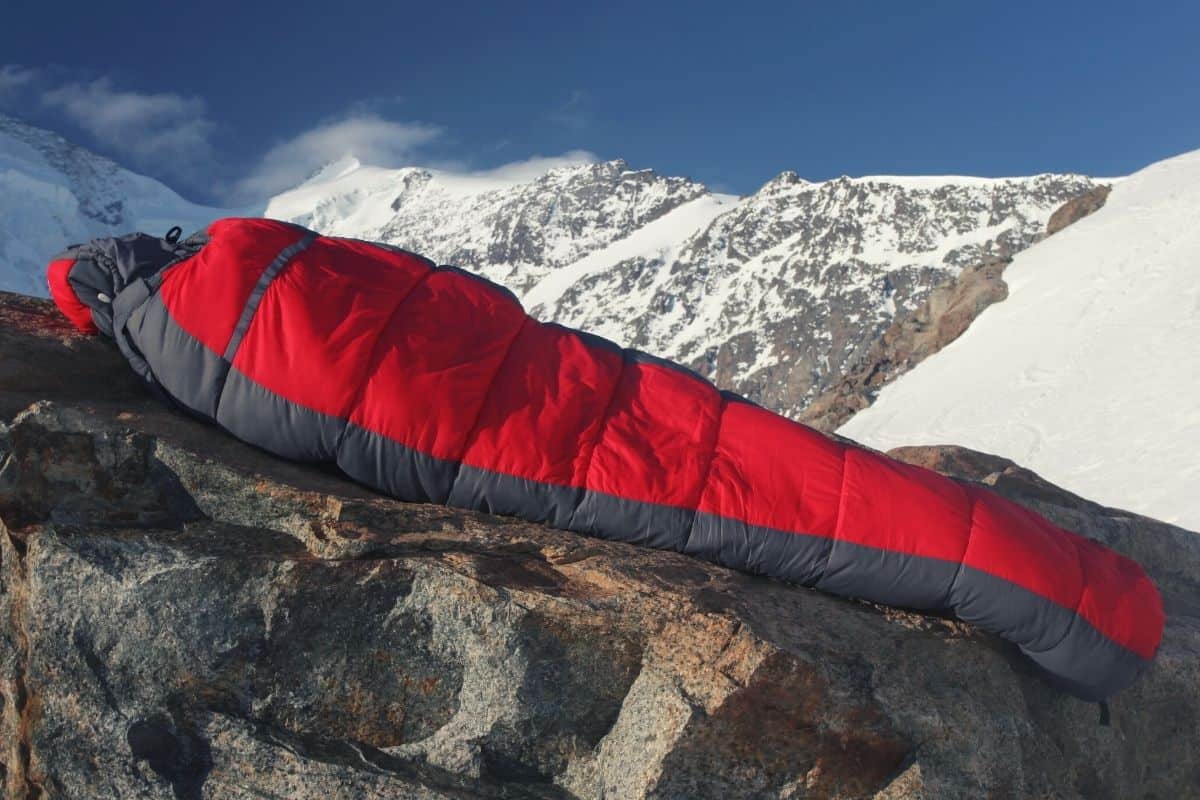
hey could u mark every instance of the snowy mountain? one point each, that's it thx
(53, 193)
(1089, 372)
(514, 231)
(772, 295)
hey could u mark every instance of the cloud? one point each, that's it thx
(366, 136)
(533, 168)
(171, 135)
(14, 79)
(166, 132)
(572, 114)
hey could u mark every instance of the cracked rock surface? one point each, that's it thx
(182, 616)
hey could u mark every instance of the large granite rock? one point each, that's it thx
(182, 616)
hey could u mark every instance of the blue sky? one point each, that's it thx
(225, 100)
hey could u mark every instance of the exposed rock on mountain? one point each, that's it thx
(773, 295)
(183, 616)
(939, 319)
(909, 339)
(1077, 208)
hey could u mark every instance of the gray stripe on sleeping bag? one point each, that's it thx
(260, 288)
(497, 493)
(181, 363)
(393, 468)
(731, 542)
(885, 576)
(1083, 660)
(257, 415)
(621, 519)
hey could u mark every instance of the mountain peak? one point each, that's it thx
(788, 179)
(332, 170)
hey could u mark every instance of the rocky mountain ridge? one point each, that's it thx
(775, 295)
(1088, 371)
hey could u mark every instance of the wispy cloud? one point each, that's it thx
(172, 135)
(573, 114)
(165, 131)
(532, 168)
(369, 138)
(14, 79)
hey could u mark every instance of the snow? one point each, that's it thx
(654, 240)
(53, 194)
(927, 182)
(358, 197)
(1089, 373)
(349, 198)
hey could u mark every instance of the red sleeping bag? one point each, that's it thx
(431, 384)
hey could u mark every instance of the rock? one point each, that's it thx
(1077, 208)
(942, 317)
(182, 616)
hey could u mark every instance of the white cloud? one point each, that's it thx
(165, 131)
(171, 135)
(532, 168)
(365, 136)
(14, 79)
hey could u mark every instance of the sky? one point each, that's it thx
(233, 101)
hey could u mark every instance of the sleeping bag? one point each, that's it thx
(431, 384)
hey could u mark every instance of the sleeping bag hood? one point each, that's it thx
(96, 285)
(86, 279)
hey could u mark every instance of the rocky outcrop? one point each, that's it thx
(182, 616)
(911, 338)
(1077, 208)
(779, 296)
(942, 316)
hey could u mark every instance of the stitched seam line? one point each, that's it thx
(962, 561)
(372, 362)
(471, 431)
(1076, 615)
(695, 506)
(608, 406)
(837, 523)
(260, 289)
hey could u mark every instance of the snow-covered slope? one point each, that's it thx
(1089, 373)
(53, 193)
(772, 294)
(514, 231)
